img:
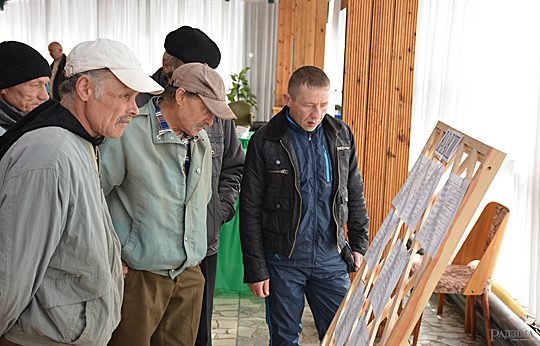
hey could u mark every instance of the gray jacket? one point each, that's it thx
(60, 269)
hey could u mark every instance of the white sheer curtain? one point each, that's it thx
(334, 58)
(260, 54)
(238, 28)
(477, 69)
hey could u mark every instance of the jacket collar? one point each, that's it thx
(276, 128)
(50, 113)
(9, 115)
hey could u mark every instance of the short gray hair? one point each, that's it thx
(97, 77)
(169, 95)
(173, 61)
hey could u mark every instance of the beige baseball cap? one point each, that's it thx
(115, 56)
(202, 80)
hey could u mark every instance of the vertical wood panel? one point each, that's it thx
(299, 44)
(378, 95)
(284, 49)
(301, 34)
(320, 32)
(356, 72)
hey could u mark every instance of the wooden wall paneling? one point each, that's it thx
(377, 117)
(301, 35)
(299, 44)
(356, 72)
(284, 49)
(310, 22)
(320, 32)
(379, 58)
(400, 103)
(391, 183)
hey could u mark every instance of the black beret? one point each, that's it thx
(20, 63)
(192, 45)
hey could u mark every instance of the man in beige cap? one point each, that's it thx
(157, 179)
(60, 267)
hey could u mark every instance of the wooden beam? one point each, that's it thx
(301, 39)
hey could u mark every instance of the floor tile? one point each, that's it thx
(239, 319)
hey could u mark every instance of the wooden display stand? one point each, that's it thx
(471, 166)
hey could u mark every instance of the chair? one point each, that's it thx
(242, 110)
(471, 269)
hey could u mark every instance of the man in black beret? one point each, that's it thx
(185, 45)
(24, 75)
(182, 46)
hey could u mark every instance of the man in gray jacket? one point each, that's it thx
(60, 268)
(182, 46)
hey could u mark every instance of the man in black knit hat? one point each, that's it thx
(24, 75)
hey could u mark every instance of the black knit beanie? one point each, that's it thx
(192, 45)
(20, 63)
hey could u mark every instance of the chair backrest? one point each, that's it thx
(483, 243)
(482, 234)
(242, 110)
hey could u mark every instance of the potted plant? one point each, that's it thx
(241, 98)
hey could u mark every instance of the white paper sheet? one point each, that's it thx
(410, 185)
(388, 278)
(442, 214)
(419, 201)
(349, 315)
(448, 145)
(360, 335)
(375, 249)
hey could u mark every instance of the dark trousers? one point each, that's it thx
(324, 289)
(208, 268)
(4, 342)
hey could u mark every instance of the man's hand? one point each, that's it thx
(124, 269)
(358, 258)
(260, 289)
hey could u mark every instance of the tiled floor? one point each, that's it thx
(239, 319)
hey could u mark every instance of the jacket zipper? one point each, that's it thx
(298, 191)
(327, 163)
(334, 201)
(281, 171)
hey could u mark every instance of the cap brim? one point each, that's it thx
(138, 81)
(219, 108)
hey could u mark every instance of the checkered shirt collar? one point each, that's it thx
(163, 127)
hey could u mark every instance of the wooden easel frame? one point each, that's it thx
(480, 167)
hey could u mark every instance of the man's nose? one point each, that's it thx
(133, 109)
(42, 93)
(210, 119)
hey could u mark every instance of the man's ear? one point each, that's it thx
(288, 99)
(180, 95)
(84, 87)
(165, 64)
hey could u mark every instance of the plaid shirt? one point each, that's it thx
(163, 127)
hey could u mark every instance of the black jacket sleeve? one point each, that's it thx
(358, 221)
(232, 167)
(251, 197)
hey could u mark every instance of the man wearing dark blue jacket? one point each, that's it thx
(301, 184)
